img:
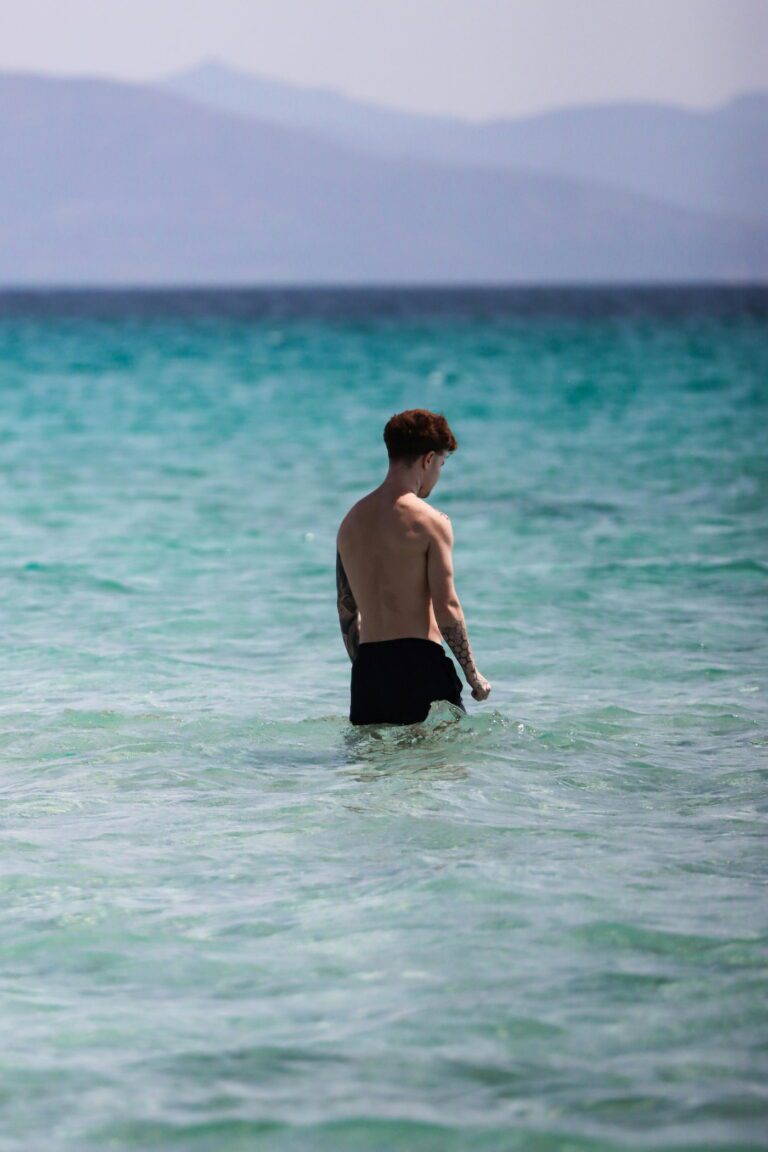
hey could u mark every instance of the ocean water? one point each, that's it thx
(231, 921)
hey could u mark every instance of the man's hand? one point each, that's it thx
(481, 688)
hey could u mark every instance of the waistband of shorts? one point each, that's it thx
(400, 641)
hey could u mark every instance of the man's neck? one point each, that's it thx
(398, 483)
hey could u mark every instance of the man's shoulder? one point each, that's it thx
(439, 521)
(422, 516)
(354, 513)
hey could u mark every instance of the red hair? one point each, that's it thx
(411, 434)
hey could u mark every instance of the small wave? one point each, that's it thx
(532, 508)
(662, 566)
(442, 741)
(71, 574)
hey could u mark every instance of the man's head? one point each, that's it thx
(418, 442)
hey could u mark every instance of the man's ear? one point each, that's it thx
(428, 457)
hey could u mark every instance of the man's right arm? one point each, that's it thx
(445, 601)
(349, 616)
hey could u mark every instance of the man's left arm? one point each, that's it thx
(349, 617)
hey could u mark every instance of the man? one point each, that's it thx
(394, 577)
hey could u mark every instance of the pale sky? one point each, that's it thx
(473, 58)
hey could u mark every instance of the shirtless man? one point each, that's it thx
(395, 591)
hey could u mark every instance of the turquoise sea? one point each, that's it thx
(230, 921)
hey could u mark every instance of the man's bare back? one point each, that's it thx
(384, 543)
(394, 560)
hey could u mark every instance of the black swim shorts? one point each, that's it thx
(395, 681)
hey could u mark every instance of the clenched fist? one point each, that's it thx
(481, 688)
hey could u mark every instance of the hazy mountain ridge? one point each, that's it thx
(115, 183)
(714, 160)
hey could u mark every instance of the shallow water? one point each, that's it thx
(229, 919)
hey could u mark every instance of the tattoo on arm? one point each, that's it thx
(349, 617)
(457, 640)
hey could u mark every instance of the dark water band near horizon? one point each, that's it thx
(232, 921)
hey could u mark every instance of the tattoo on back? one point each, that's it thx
(457, 640)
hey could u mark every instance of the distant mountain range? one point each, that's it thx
(217, 177)
(712, 161)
